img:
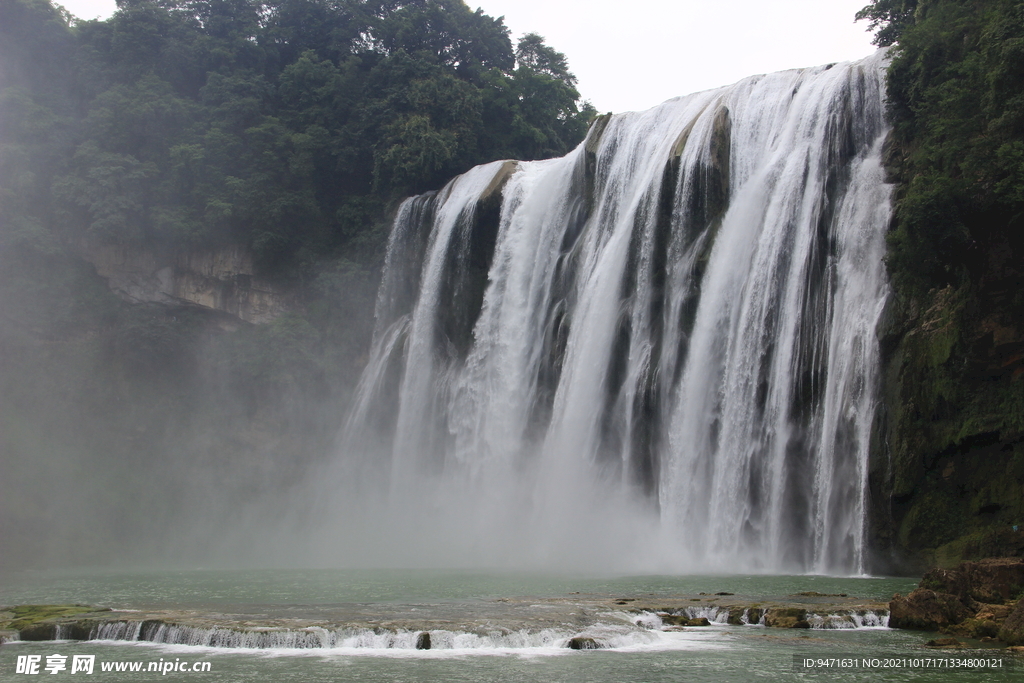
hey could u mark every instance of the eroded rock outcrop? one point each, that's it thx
(220, 279)
(992, 580)
(927, 610)
(974, 600)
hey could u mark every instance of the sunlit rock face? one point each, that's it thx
(219, 279)
(656, 352)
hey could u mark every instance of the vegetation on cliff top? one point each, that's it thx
(284, 125)
(956, 97)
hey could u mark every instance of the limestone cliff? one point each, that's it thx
(222, 279)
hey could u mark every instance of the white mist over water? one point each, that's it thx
(657, 352)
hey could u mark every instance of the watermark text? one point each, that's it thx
(86, 664)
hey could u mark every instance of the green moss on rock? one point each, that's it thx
(27, 616)
(948, 470)
(786, 617)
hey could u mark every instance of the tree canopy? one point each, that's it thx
(956, 99)
(888, 18)
(285, 125)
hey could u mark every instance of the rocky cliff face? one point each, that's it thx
(947, 481)
(222, 279)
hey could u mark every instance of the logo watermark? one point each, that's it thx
(86, 664)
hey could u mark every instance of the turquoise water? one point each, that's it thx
(722, 653)
(206, 588)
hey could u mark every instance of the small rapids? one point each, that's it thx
(596, 636)
(643, 630)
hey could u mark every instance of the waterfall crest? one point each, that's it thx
(657, 352)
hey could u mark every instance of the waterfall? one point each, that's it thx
(658, 351)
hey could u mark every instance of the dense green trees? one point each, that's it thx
(285, 125)
(956, 96)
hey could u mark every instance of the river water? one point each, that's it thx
(487, 626)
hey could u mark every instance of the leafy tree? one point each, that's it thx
(444, 32)
(550, 119)
(534, 55)
(888, 18)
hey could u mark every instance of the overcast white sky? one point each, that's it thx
(633, 54)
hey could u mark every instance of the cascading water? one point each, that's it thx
(659, 347)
